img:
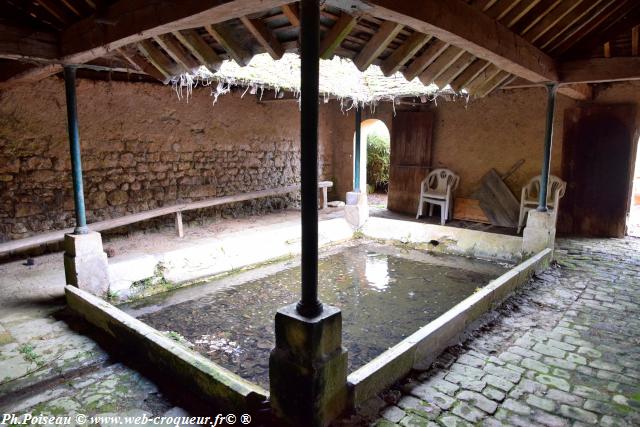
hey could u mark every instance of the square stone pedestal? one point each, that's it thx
(85, 263)
(356, 212)
(308, 368)
(540, 232)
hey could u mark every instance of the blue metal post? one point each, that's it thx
(74, 148)
(309, 305)
(548, 142)
(356, 169)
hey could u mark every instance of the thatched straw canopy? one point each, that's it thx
(339, 78)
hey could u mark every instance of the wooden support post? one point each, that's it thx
(179, 227)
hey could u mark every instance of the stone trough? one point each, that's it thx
(220, 386)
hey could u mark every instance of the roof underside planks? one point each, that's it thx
(431, 39)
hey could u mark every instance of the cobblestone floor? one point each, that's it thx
(564, 352)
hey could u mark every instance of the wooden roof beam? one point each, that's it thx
(469, 74)
(139, 61)
(136, 20)
(131, 21)
(199, 49)
(26, 44)
(377, 44)
(482, 78)
(587, 28)
(600, 70)
(158, 59)
(492, 84)
(588, 10)
(419, 64)
(291, 12)
(404, 53)
(454, 70)
(336, 35)
(175, 50)
(441, 64)
(235, 50)
(468, 28)
(264, 36)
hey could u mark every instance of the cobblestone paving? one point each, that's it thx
(564, 352)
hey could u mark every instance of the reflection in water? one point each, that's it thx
(377, 271)
(383, 300)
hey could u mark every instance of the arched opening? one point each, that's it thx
(374, 165)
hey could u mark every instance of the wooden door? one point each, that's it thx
(597, 157)
(410, 159)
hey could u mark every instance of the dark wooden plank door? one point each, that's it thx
(597, 157)
(410, 159)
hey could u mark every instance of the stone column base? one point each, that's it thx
(540, 232)
(356, 212)
(308, 368)
(85, 263)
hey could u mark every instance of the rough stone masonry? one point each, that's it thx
(142, 148)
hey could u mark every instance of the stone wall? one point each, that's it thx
(142, 148)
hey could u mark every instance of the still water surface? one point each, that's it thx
(384, 295)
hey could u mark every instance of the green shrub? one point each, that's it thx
(378, 152)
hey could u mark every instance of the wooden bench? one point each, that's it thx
(57, 236)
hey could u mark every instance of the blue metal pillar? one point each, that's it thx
(74, 148)
(548, 143)
(356, 169)
(309, 305)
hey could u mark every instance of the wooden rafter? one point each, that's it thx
(444, 61)
(158, 59)
(225, 37)
(454, 70)
(403, 53)
(449, 21)
(419, 64)
(492, 84)
(264, 36)
(469, 74)
(334, 37)
(140, 62)
(482, 78)
(377, 44)
(544, 25)
(175, 50)
(517, 13)
(540, 12)
(130, 21)
(199, 49)
(588, 28)
(580, 13)
(291, 12)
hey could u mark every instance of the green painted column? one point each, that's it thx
(356, 169)
(74, 149)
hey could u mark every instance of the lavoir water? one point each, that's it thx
(386, 293)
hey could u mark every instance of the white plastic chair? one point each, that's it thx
(530, 194)
(437, 189)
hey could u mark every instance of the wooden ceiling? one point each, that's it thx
(477, 45)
